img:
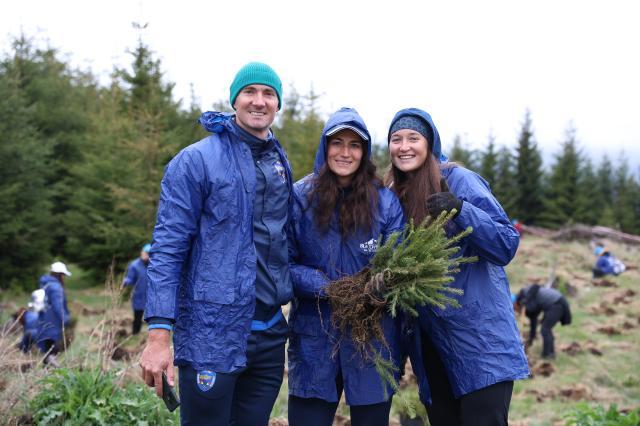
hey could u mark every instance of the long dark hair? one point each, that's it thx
(413, 188)
(357, 204)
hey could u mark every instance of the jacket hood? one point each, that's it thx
(436, 148)
(214, 121)
(46, 279)
(348, 117)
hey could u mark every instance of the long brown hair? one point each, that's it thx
(413, 188)
(357, 203)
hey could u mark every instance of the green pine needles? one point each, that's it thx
(417, 267)
(411, 269)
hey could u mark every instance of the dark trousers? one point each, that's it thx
(485, 407)
(26, 342)
(137, 321)
(49, 346)
(318, 412)
(244, 397)
(551, 317)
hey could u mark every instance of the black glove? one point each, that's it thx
(443, 202)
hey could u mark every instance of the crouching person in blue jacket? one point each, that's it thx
(466, 358)
(219, 269)
(340, 212)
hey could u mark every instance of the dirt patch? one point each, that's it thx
(573, 348)
(622, 297)
(25, 419)
(124, 322)
(544, 369)
(576, 392)
(604, 283)
(88, 312)
(628, 325)
(603, 309)
(595, 351)
(120, 354)
(541, 396)
(609, 330)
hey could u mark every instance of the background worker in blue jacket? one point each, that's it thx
(30, 319)
(219, 272)
(466, 358)
(55, 316)
(606, 263)
(137, 277)
(340, 212)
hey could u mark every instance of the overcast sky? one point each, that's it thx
(476, 66)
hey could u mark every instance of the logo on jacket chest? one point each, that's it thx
(280, 171)
(370, 246)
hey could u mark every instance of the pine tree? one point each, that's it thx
(623, 189)
(461, 155)
(299, 129)
(380, 156)
(528, 182)
(504, 187)
(589, 204)
(561, 200)
(25, 200)
(605, 188)
(489, 163)
(59, 99)
(136, 131)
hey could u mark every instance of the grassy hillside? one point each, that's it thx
(598, 356)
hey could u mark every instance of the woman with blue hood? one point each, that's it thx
(340, 212)
(466, 358)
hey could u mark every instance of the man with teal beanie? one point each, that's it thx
(219, 273)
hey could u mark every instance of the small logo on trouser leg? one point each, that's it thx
(205, 380)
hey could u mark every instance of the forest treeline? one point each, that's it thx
(82, 162)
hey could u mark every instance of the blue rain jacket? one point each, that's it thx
(608, 264)
(30, 328)
(316, 259)
(137, 277)
(479, 342)
(31, 323)
(56, 313)
(203, 269)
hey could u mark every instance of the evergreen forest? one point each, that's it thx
(82, 162)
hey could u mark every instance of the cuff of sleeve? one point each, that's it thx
(161, 326)
(159, 320)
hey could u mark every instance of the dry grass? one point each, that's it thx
(591, 366)
(101, 331)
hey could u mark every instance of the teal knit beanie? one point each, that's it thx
(255, 73)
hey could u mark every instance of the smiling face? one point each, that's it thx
(344, 155)
(256, 106)
(408, 150)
